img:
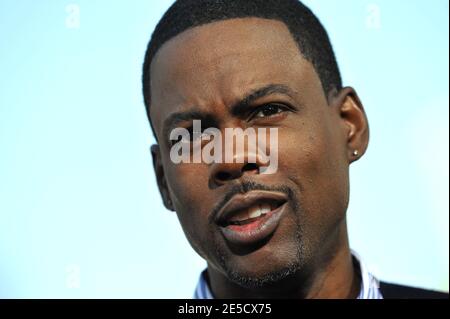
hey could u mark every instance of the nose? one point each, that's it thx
(221, 173)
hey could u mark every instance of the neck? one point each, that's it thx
(331, 275)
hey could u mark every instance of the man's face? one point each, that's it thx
(207, 70)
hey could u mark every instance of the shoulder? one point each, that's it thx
(393, 291)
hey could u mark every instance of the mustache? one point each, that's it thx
(245, 187)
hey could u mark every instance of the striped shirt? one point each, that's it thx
(369, 284)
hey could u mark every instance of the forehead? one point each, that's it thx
(214, 64)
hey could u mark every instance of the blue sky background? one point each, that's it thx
(80, 214)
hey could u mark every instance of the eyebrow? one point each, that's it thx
(176, 118)
(242, 106)
(236, 109)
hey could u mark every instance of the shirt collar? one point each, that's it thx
(369, 284)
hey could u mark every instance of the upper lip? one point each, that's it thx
(244, 201)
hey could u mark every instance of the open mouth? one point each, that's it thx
(251, 217)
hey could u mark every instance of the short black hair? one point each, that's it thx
(306, 29)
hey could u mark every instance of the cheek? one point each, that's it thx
(311, 156)
(192, 201)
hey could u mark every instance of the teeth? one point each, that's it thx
(254, 211)
(265, 208)
(258, 210)
(243, 215)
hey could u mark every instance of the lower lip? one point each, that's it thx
(256, 231)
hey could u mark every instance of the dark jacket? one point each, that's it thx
(392, 291)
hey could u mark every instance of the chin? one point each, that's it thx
(263, 277)
(281, 257)
(263, 268)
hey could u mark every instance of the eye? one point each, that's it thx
(173, 142)
(192, 136)
(268, 110)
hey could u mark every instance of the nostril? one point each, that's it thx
(230, 172)
(223, 176)
(250, 167)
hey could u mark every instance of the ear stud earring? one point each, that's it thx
(355, 153)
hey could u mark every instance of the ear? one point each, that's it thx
(354, 122)
(161, 178)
